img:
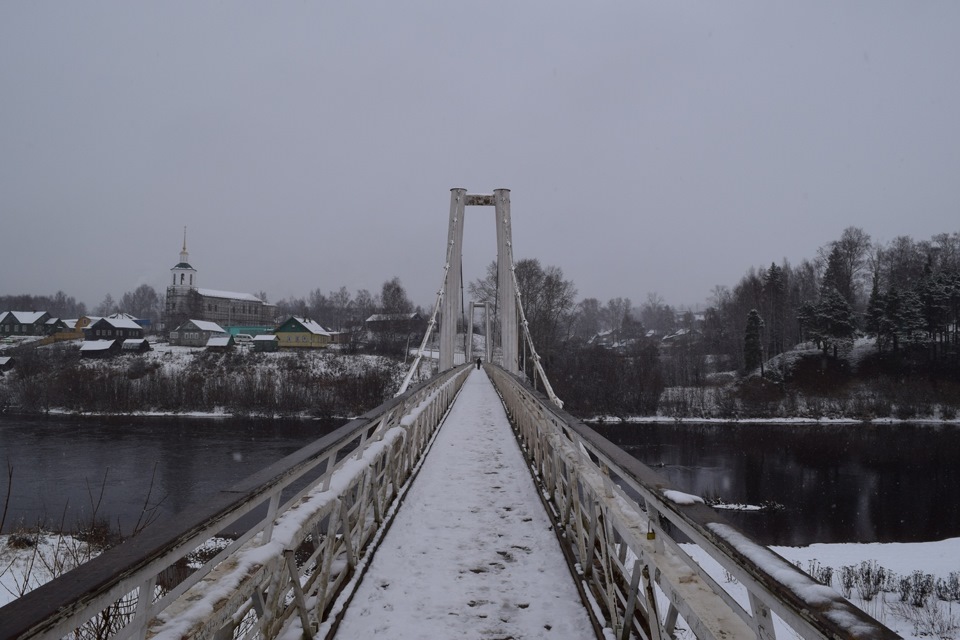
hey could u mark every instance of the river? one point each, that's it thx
(65, 469)
(835, 483)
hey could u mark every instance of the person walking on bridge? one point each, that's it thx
(478, 362)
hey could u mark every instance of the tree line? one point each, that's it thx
(905, 294)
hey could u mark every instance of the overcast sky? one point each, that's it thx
(649, 147)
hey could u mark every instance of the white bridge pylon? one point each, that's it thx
(509, 308)
(506, 290)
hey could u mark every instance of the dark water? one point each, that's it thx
(61, 465)
(849, 483)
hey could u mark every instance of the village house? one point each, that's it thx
(23, 323)
(301, 333)
(115, 327)
(265, 342)
(196, 333)
(401, 323)
(99, 348)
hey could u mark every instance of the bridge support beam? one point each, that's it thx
(488, 338)
(450, 311)
(507, 302)
(506, 291)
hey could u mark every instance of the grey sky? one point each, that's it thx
(649, 146)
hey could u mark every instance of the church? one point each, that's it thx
(187, 301)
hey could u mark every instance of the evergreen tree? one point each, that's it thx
(774, 294)
(873, 319)
(837, 276)
(753, 342)
(835, 320)
(902, 316)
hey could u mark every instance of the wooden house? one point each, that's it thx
(23, 323)
(401, 323)
(134, 345)
(301, 333)
(100, 348)
(196, 333)
(220, 343)
(265, 342)
(116, 327)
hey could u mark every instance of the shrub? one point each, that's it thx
(870, 579)
(916, 588)
(949, 589)
(820, 573)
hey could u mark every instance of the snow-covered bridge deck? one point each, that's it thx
(472, 552)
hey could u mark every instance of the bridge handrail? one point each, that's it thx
(352, 477)
(618, 517)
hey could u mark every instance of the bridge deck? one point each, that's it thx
(471, 553)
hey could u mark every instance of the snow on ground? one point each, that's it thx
(938, 559)
(471, 553)
(28, 561)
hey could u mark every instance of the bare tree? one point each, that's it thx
(364, 304)
(319, 307)
(106, 307)
(614, 313)
(339, 306)
(588, 318)
(142, 302)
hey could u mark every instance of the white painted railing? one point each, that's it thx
(620, 524)
(313, 514)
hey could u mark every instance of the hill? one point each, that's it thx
(861, 384)
(178, 380)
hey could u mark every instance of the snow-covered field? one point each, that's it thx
(937, 619)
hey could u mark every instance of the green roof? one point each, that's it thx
(183, 265)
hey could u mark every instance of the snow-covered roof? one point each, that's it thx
(123, 322)
(381, 317)
(97, 345)
(71, 323)
(265, 337)
(4, 360)
(133, 343)
(206, 325)
(219, 341)
(27, 317)
(232, 295)
(312, 326)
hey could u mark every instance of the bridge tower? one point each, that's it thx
(506, 290)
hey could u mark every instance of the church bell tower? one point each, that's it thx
(184, 276)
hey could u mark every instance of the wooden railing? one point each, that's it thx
(312, 516)
(621, 525)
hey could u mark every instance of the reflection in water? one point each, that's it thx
(837, 483)
(61, 466)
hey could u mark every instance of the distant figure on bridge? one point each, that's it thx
(478, 363)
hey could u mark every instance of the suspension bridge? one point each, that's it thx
(469, 505)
